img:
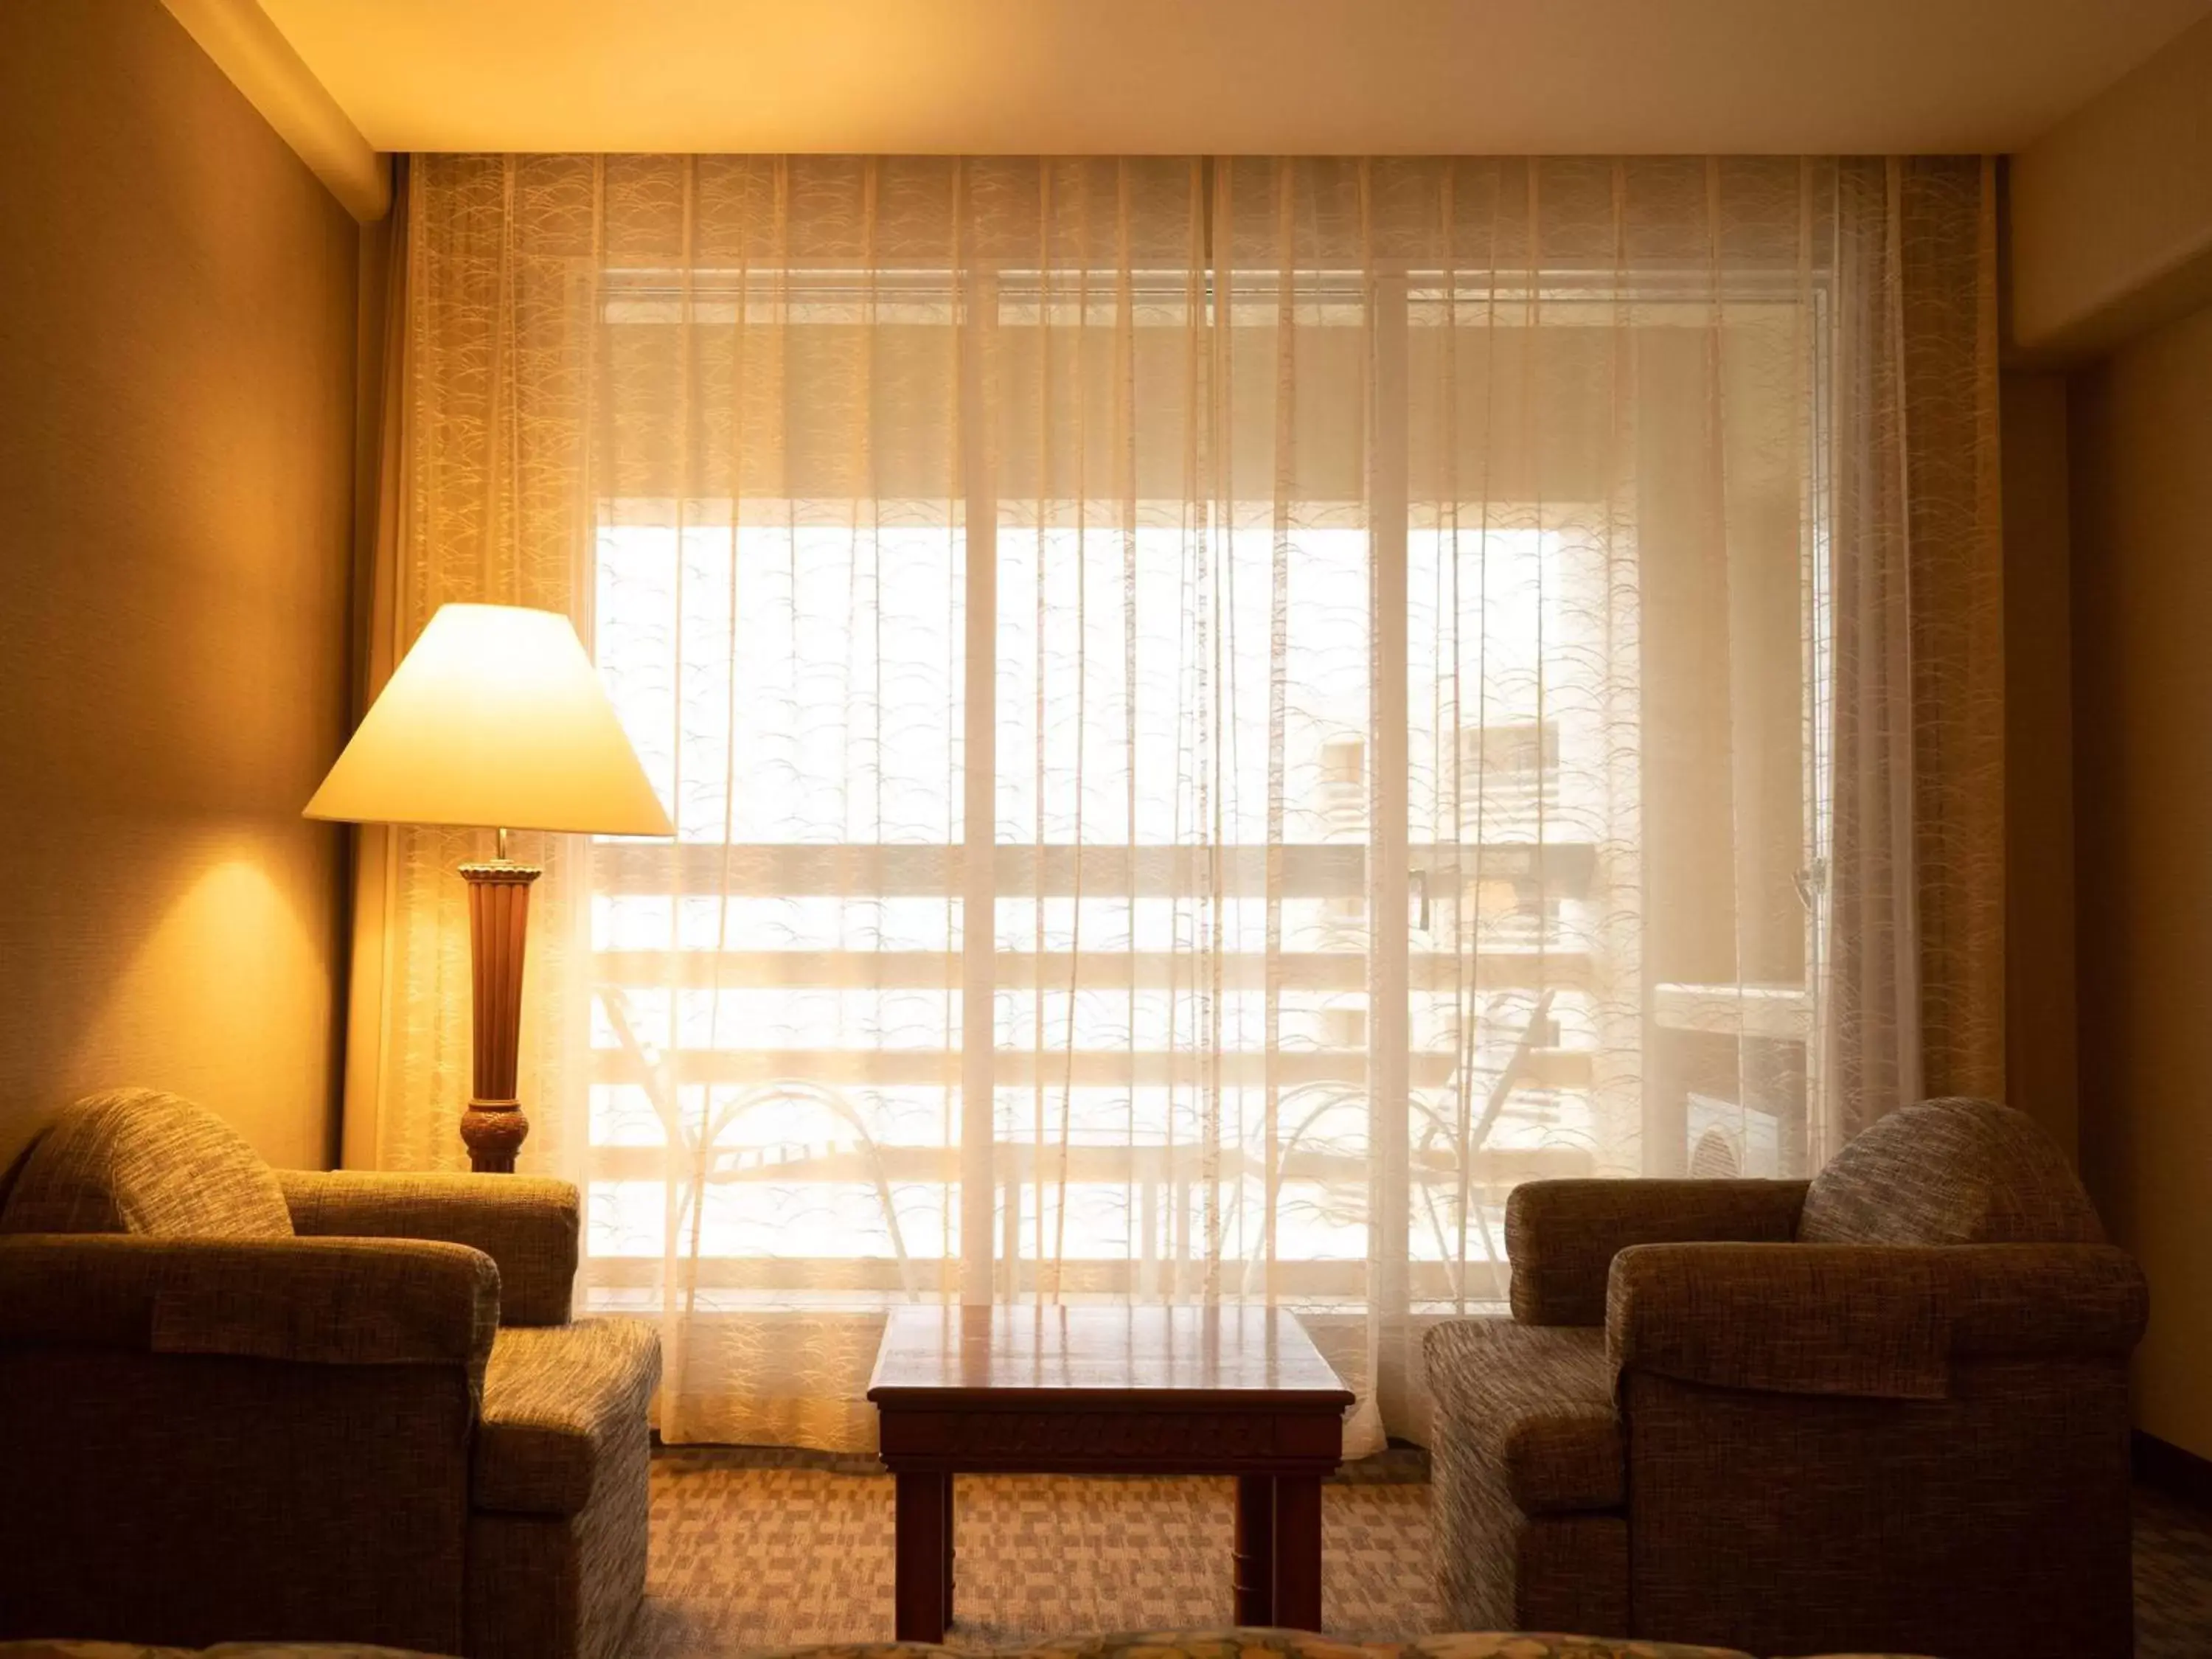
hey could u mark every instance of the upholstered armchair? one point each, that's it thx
(1886, 1410)
(240, 1403)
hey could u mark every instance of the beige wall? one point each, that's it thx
(2141, 481)
(176, 386)
(2110, 247)
(2112, 209)
(2040, 1061)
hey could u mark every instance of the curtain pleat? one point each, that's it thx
(1915, 1006)
(382, 462)
(1220, 713)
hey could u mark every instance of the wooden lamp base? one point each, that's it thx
(493, 1127)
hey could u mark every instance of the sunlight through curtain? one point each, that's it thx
(1220, 714)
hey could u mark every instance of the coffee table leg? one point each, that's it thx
(1298, 1552)
(1254, 1578)
(949, 1548)
(922, 1571)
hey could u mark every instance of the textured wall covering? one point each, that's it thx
(2142, 450)
(176, 379)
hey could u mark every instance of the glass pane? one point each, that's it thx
(776, 1011)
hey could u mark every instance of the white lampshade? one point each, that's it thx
(496, 718)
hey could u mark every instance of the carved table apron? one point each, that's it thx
(1231, 1391)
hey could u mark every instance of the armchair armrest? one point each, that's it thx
(1874, 1321)
(2041, 1301)
(322, 1302)
(527, 1224)
(1562, 1236)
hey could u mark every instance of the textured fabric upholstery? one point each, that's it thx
(1505, 1644)
(1990, 1524)
(1561, 1235)
(137, 1161)
(186, 1498)
(2043, 1301)
(1305, 1644)
(564, 1431)
(1540, 1401)
(1950, 1172)
(564, 1584)
(1790, 1318)
(1132, 1645)
(328, 1302)
(527, 1224)
(1529, 1478)
(1880, 1321)
(221, 1650)
(1249, 1644)
(205, 1437)
(1904, 1428)
(555, 1398)
(212, 1427)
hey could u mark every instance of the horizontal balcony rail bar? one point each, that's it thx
(1022, 1068)
(1091, 970)
(1781, 1013)
(1301, 870)
(1493, 1172)
(802, 1277)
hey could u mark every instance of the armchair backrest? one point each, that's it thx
(1953, 1171)
(139, 1161)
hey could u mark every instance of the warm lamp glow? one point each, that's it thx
(494, 719)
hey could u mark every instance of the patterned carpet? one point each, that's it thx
(2173, 1578)
(754, 1548)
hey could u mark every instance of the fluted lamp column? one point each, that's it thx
(494, 719)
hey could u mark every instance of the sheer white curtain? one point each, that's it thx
(1220, 713)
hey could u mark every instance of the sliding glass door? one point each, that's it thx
(1206, 749)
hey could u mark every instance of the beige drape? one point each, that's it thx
(1220, 713)
(380, 635)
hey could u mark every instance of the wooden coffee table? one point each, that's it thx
(1111, 1391)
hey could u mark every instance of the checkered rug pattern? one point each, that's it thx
(757, 1548)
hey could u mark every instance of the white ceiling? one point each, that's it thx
(1230, 76)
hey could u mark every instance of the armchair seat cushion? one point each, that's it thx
(1537, 1401)
(556, 1399)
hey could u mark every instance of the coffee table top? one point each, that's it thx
(1157, 1355)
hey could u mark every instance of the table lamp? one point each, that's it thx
(494, 719)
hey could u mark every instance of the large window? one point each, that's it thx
(1311, 829)
(1222, 712)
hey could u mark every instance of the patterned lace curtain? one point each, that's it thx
(1220, 713)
